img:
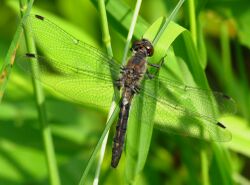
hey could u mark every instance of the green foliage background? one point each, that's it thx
(222, 42)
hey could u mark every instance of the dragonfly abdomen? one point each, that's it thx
(121, 129)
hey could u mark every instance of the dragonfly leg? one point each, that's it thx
(157, 66)
(119, 83)
(136, 89)
(149, 75)
(122, 69)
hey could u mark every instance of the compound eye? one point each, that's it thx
(150, 50)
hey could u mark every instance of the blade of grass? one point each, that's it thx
(204, 167)
(170, 18)
(131, 30)
(226, 54)
(201, 46)
(91, 160)
(121, 19)
(192, 20)
(193, 30)
(11, 54)
(244, 80)
(107, 42)
(40, 103)
(223, 164)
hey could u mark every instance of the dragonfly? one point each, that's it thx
(89, 76)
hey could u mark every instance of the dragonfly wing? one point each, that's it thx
(176, 114)
(61, 46)
(68, 65)
(171, 89)
(79, 85)
(182, 121)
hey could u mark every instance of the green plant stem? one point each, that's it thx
(226, 54)
(204, 166)
(131, 30)
(11, 54)
(107, 42)
(40, 102)
(193, 30)
(91, 160)
(245, 82)
(192, 20)
(104, 143)
(9, 61)
(105, 30)
(167, 21)
(222, 158)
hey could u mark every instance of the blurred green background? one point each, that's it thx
(223, 42)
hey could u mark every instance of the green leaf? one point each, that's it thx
(221, 170)
(240, 131)
(121, 19)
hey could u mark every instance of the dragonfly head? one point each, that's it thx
(144, 46)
